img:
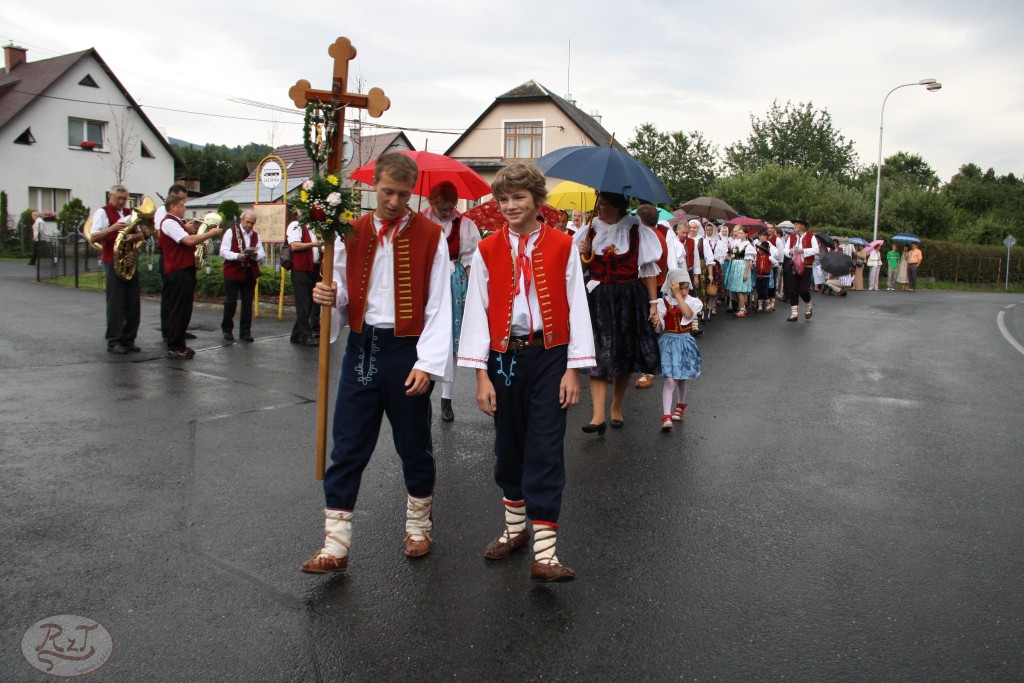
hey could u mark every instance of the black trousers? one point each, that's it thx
(529, 428)
(302, 289)
(372, 384)
(233, 289)
(123, 308)
(798, 286)
(179, 289)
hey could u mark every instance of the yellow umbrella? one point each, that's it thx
(570, 196)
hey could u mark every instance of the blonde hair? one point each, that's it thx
(521, 175)
(397, 165)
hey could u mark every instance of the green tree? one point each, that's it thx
(686, 163)
(794, 135)
(72, 217)
(218, 166)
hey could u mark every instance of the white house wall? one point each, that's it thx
(51, 163)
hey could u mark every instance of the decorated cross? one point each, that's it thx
(333, 103)
(374, 102)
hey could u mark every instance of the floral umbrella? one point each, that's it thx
(434, 169)
(488, 217)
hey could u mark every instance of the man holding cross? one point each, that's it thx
(394, 293)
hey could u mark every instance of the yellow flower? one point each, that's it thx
(332, 179)
(303, 195)
(347, 216)
(329, 221)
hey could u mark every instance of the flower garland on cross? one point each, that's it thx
(322, 204)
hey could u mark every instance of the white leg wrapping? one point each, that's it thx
(418, 522)
(337, 532)
(515, 519)
(544, 538)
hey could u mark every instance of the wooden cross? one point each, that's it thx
(375, 103)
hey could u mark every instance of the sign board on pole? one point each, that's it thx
(271, 221)
(1010, 241)
(271, 174)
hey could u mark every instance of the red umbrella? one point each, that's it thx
(434, 169)
(751, 224)
(488, 217)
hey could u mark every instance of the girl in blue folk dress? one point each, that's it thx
(680, 358)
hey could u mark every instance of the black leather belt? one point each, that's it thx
(517, 343)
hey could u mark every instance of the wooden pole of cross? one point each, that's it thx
(375, 103)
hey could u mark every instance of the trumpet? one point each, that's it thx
(210, 220)
(125, 257)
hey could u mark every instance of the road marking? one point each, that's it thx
(1006, 333)
(1006, 308)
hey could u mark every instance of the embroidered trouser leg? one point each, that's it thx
(372, 384)
(530, 428)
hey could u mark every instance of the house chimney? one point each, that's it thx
(568, 98)
(596, 115)
(13, 56)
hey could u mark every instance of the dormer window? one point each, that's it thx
(25, 138)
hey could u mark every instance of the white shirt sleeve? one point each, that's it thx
(813, 251)
(581, 331)
(340, 317)
(225, 247)
(100, 221)
(434, 348)
(173, 229)
(468, 239)
(475, 340)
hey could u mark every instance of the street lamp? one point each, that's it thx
(931, 85)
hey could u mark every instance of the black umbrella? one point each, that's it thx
(710, 208)
(826, 240)
(605, 169)
(837, 263)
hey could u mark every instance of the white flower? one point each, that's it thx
(334, 198)
(308, 185)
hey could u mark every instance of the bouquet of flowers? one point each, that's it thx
(323, 206)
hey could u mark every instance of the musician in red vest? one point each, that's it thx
(242, 253)
(800, 244)
(526, 331)
(123, 298)
(462, 235)
(392, 288)
(305, 274)
(179, 250)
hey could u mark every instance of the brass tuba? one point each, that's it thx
(210, 220)
(125, 257)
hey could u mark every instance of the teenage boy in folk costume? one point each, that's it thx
(391, 287)
(526, 330)
(798, 285)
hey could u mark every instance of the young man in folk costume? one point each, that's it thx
(526, 331)
(179, 250)
(123, 298)
(242, 253)
(392, 288)
(306, 250)
(800, 253)
(671, 253)
(462, 235)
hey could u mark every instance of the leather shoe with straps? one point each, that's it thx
(505, 545)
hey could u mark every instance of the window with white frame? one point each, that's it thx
(48, 198)
(524, 139)
(85, 131)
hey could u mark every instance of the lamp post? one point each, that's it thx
(931, 85)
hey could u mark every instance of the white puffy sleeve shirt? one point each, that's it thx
(469, 235)
(475, 342)
(434, 347)
(617, 236)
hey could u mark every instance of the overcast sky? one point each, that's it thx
(695, 65)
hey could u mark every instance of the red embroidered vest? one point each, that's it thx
(303, 260)
(662, 233)
(808, 242)
(455, 239)
(414, 249)
(107, 255)
(177, 256)
(233, 270)
(674, 318)
(617, 268)
(550, 257)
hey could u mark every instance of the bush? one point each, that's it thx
(208, 285)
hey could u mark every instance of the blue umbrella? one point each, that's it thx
(905, 237)
(605, 169)
(859, 240)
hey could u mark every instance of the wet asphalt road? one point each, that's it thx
(843, 503)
